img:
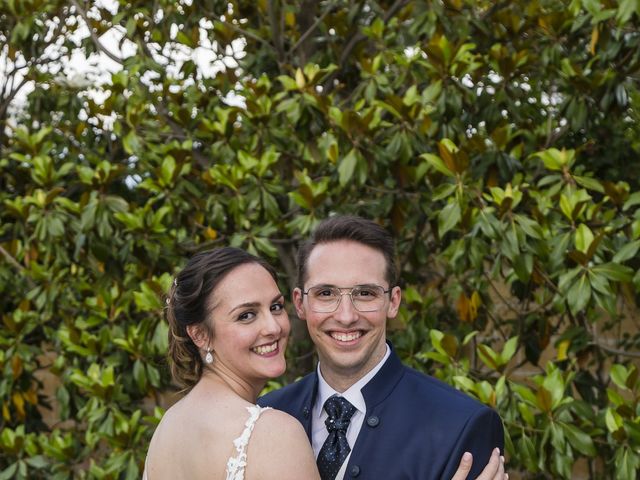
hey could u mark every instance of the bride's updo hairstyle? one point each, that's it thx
(190, 303)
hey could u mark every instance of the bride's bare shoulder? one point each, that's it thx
(279, 449)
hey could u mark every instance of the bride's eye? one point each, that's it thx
(246, 316)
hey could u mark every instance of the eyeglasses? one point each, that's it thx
(364, 298)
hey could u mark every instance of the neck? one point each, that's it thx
(339, 382)
(244, 389)
(341, 379)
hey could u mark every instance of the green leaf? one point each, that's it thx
(147, 299)
(468, 337)
(139, 375)
(579, 294)
(632, 201)
(526, 413)
(589, 183)
(448, 218)
(614, 271)
(437, 163)
(37, 461)
(627, 252)
(488, 356)
(509, 350)
(627, 464)
(525, 393)
(131, 143)
(287, 82)
(579, 440)
(167, 170)
(555, 159)
(465, 383)
(619, 374)
(347, 167)
(626, 8)
(432, 92)
(584, 237)
(555, 385)
(566, 207)
(613, 420)
(9, 472)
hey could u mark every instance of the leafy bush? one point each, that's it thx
(497, 140)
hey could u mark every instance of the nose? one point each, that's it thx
(273, 324)
(346, 312)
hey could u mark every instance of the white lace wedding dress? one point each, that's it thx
(237, 463)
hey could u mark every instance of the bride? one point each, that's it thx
(228, 334)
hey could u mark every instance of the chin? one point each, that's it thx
(276, 372)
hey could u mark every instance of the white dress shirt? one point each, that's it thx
(353, 394)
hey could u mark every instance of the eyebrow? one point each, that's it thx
(254, 304)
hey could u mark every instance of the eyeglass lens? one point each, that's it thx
(364, 298)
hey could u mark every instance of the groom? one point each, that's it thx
(367, 415)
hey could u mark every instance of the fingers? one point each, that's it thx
(500, 474)
(493, 471)
(464, 468)
(495, 468)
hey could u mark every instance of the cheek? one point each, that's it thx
(314, 327)
(285, 324)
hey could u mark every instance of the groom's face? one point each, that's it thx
(349, 342)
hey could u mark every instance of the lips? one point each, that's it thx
(265, 349)
(346, 336)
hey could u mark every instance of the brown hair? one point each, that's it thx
(189, 303)
(349, 227)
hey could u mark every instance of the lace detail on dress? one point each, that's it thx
(235, 465)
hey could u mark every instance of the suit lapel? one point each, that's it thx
(304, 413)
(383, 383)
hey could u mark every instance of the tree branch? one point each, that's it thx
(246, 33)
(14, 263)
(615, 351)
(355, 40)
(176, 129)
(94, 37)
(276, 30)
(303, 38)
(8, 99)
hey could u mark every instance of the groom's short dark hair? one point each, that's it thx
(353, 228)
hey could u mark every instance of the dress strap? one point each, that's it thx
(236, 465)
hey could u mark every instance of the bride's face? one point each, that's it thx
(250, 325)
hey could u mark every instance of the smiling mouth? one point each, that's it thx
(346, 337)
(265, 349)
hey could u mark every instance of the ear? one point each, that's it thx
(199, 335)
(298, 302)
(394, 302)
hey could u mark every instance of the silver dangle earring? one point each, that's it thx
(208, 357)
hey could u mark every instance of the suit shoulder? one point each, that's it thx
(284, 396)
(440, 391)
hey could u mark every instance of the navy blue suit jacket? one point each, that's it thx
(416, 427)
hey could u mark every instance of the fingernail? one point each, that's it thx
(467, 456)
(502, 458)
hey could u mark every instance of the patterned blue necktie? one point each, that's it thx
(335, 448)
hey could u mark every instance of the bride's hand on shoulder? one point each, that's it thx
(493, 471)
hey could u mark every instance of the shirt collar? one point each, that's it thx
(353, 394)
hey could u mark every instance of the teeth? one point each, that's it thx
(346, 337)
(264, 349)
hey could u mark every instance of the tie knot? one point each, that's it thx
(340, 412)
